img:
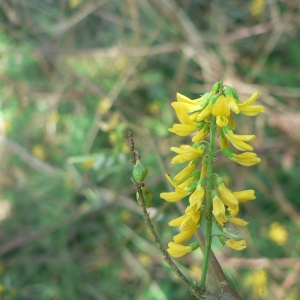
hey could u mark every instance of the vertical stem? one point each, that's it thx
(209, 186)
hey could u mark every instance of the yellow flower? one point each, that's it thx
(186, 127)
(197, 197)
(186, 153)
(278, 234)
(218, 209)
(248, 110)
(187, 104)
(239, 141)
(222, 109)
(185, 235)
(244, 196)
(205, 113)
(226, 195)
(174, 196)
(177, 250)
(191, 217)
(201, 135)
(246, 159)
(185, 173)
(236, 245)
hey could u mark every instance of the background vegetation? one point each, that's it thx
(74, 77)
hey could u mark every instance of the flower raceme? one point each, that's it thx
(208, 194)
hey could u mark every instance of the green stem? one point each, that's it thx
(209, 206)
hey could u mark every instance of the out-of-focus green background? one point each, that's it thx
(75, 76)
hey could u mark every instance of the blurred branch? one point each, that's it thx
(34, 162)
(65, 25)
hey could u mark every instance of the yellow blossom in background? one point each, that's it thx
(257, 7)
(74, 3)
(257, 280)
(38, 151)
(88, 163)
(278, 233)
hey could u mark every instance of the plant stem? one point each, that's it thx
(209, 186)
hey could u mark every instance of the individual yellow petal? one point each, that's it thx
(184, 185)
(252, 111)
(183, 116)
(205, 113)
(185, 173)
(188, 108)
(177, 222)
(219, 210)
(239, 141)
(236, 245)
(221, 107)
(222, 121)
(244, 196)
(183, 130)
(174, 196)
(237, 221)
(185, 235)
(201, 135)
(177, 250)
(227, 197)
(252, 99)
(197, 197)
(246, 159)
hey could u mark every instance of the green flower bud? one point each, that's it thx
(139, 172)
(216, 87)
(222, 239)
(147, 195)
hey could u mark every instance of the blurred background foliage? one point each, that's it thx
(75, 75)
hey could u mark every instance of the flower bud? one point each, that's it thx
(139, 172)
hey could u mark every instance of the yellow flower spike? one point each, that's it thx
(218, 209)
(197, 197)
(246, 159)
(187, 153)
(239, 141)
(201, 135)
(174, 196)
(236, 245)
(185, 235)
(237, 221)
(177, 250)
(244, 196)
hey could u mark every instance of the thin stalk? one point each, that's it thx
(209, 186)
